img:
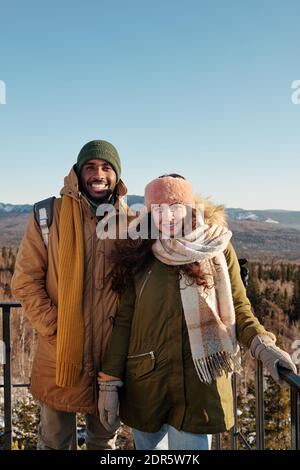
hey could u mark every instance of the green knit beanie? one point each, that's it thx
(99, 150)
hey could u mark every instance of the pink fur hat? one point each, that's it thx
(169, 190)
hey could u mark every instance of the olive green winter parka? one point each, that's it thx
(150, 351)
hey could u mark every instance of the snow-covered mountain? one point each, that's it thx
(272, 216)
(15, 208)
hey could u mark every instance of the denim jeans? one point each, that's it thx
(169, 438)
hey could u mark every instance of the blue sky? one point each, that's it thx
(201, 88)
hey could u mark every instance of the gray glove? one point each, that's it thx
(108, 404)
(263, 348)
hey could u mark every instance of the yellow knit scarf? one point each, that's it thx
(70, 324)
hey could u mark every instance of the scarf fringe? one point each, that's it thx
(212, 367)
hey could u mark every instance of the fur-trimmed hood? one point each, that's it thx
(213, 214)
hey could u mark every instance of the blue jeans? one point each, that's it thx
(169, 438)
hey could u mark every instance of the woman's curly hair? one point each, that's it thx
(130, 256)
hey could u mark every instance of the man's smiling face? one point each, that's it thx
(98, 179)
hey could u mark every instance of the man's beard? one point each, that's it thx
(102, 198)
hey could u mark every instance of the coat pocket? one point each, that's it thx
(139, 365)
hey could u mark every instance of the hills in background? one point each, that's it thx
(284, 218)
(272, 216)
(257, 234)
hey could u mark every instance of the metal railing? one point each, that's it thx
(293, 381)
(7, 383)
(236, 436)
(7, 379)
(286, 375)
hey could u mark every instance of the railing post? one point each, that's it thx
(74, 436)
(259, 400)
(295, 419)
(218, 442)
(234, 430)
(7, 379)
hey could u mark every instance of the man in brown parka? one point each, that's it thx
(73, 332)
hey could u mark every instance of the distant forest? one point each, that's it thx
(275, 287)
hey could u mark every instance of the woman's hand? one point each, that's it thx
(263, 348)
(108, 401)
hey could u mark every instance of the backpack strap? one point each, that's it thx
(244, 270)
(43, 213)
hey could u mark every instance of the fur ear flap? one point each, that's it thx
(213, 214)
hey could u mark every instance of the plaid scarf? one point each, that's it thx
(209, 313)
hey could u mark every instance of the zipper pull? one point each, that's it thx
(144, 283)
(80, 206)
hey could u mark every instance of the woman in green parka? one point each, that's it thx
(183, 311)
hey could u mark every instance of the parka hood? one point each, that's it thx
(71, 186)
(213, 214)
